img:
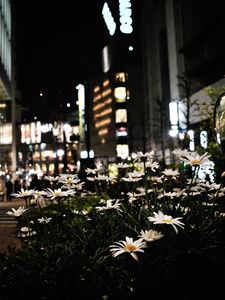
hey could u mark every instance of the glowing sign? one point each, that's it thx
(109, 20)
(125, 16)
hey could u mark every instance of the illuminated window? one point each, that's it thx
(120, 94)
(121, 77)
(122, 151)
(121, 116)
(96, 89)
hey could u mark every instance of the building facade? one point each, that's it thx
(182, 51)
(116, 110)
(5, 85)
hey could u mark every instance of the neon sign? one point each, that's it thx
(125, 16)
(125, 13)
(109, 20)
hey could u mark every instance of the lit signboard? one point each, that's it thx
(125, 13)
(125, 16)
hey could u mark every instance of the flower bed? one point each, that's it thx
(148, 233)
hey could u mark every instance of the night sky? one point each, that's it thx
(58, 45)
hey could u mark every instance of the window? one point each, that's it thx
(120, 77)
(121, 116)
(120, 94)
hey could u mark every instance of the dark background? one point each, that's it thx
(58, 45)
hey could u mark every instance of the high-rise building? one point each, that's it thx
(8, 109)
(183, 54)
(116, 110)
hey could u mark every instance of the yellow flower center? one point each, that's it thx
(195, 162)
(167, 220)
(130, 247)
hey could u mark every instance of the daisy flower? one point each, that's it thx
(132, 197)
(153, 165)
(44, 220)
(110, 204)
(160, 218)
(58, 193)
(69, 179)
(51, 178)
(196, 160)
(91, 171)
(133, 176)
(171, 173)
(23, 193)
(150, 235)
(128, 246)
(181, 153)
(26, 232)
(140, 156)
(16, 212)
(122, 166)
(171, 195)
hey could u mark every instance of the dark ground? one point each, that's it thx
(8, 236)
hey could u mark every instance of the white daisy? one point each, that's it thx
(91, 171)
(160, 218)
(152, 165)
(16, 212)
(128, 246)
(194, 159)
(26, 232)
(58, 193)
(150, 235)
(44, 220)
(171, 173)
(23, 193)
(140, 156)
(122, 166)
(110, 204)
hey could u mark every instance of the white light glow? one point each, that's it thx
(173, 132)
(60, 152)
(91, 154)
(106, 62)
(130, 48)
(108, 18)
(173, 113)
(83, 154)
